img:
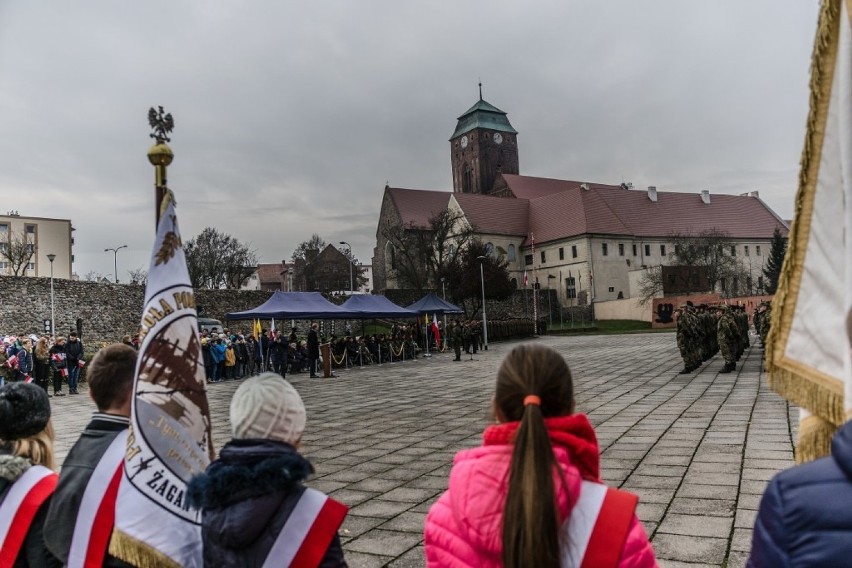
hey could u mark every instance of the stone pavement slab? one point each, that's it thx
(698, 449)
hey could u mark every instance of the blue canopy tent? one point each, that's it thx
(368, 307)
(432, 304)
(292, 305)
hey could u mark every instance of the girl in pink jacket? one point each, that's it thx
(531, 495)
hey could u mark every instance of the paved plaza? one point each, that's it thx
(698, 449)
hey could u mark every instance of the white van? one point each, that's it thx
(209, 324)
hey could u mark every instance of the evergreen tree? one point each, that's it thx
(772, 271)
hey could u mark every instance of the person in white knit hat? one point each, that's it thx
(248, 496)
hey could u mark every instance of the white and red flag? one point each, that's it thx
(169, 439)
(435, 331)
(808, 355)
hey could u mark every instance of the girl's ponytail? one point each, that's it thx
(533, 383)
(530, 519)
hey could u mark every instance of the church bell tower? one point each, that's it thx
(483, 145)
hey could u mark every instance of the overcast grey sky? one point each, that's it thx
(291, 116)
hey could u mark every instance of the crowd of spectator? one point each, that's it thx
(46, 361)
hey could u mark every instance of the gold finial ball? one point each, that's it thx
(160, 154)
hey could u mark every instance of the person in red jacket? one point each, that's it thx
(553, 511)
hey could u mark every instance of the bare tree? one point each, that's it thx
(422, 256)
(18, 252)
(218, 260)
(93, 276)
(706, 253)
(138, 276)
(651, 285)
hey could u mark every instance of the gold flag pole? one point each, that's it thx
(160, 156)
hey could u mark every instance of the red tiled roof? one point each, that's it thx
(739, 216)
(495, 215)
(561, 209)
(417, 206)
(269, 272)
(529, 187)
(554, 209)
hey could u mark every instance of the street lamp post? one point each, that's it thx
(290, 279)
(482, 282)
(115, 259)
(51, 257)
(351, 287)
(444, 293)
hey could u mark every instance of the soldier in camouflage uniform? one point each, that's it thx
(742, 326)
(728, 334)
(689, 338)
(682, 341)
(761, 321)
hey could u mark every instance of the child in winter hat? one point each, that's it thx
(24, 411)
(255, 508)
(268, 407)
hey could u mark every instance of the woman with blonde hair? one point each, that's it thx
(27, 479)
(531, 495)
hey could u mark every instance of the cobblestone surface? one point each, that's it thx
(698, 449)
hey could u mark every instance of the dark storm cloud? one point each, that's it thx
(291, 116)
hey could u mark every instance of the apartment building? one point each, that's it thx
(27, 244)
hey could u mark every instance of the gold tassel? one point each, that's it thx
(814, 439)
(814, 398)
(137, 553)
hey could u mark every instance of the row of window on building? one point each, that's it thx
(528, 259)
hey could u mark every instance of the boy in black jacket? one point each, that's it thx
(97, 456)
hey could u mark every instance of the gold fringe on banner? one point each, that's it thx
(822, 73)
(137, 553)
(791, 381)
(814, 439)
(817, 399)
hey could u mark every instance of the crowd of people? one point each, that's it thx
(254, 492)
(530, 495)
(46, 361)
(236, 354)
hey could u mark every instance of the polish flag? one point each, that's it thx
(526, 279)
(435, 331)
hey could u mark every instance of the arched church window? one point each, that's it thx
(467, 181)
(489, 249)
(512, 253)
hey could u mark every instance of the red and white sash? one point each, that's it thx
(96, 515)
(305, 537)
(19, 508)
(598, 526)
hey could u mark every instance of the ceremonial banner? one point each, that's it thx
(808, 355)
(169, 439)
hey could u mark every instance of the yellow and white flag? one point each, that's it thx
(169, 439)
(808, 355)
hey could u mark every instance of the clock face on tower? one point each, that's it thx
(498, 138)
(464, 142)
